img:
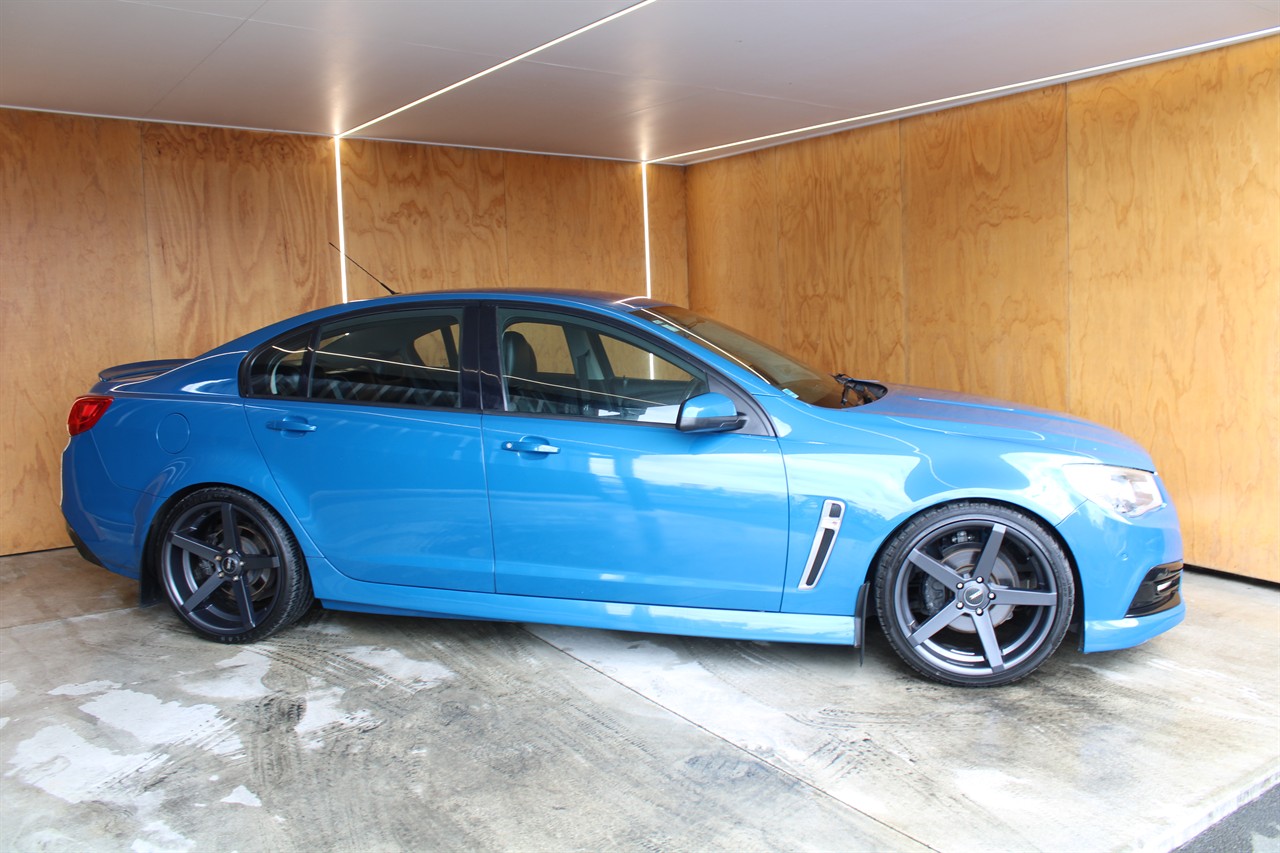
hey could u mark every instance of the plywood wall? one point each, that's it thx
(840, 251)
(574, 223)
(422, 217)
(985, 211)
(668, 234)
(733, 244)
(73, 295)
(431, 218)
(1110, 247)
(238, 226)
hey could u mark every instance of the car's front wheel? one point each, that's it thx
(974, 594)
(230, 566)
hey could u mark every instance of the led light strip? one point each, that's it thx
(984, 94)
(512, 61)
(342, 219)
(644, 206)
(337, 139)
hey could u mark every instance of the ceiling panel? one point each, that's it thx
(293, 79)
(670, 77)
(103, 58)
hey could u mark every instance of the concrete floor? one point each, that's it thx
(119, 730)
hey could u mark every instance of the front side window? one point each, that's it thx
(407, 358)
(560, 365)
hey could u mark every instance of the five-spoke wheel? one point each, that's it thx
(230, 567)
(974, 594)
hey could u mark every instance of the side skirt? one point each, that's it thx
(338, 592)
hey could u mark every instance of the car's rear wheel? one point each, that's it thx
(974, 594)
(230, 566)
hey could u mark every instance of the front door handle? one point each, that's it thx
(530, 445)
(291, 425)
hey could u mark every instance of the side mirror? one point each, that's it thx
(709, 413)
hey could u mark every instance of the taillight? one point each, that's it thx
(85, 412)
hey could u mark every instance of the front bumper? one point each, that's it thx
(1130, 572)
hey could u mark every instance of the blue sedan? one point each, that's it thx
(612, 462)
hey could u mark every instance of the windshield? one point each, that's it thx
(778, 369)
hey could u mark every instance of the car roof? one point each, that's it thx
(615, 303)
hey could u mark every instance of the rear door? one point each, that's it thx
(370, 427)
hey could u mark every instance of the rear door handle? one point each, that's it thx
(291, 425)
(530, 445)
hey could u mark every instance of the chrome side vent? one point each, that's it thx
(823, 540)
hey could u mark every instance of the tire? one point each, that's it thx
(974, 594)
(232, 589)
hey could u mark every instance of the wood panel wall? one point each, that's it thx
(839, 195)
(668, 234)
(238, 226)
(574, 223)
(1110, 247)
(423, 217)
(73, 295)
(432, 218)
(985, 208)
(733, 244)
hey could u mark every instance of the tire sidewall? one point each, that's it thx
(893, 562)
(293, 594)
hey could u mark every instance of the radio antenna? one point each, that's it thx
(363, 270)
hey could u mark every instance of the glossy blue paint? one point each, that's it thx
(391, 496)
(489, 514)
(708, 413)
(637, 513)
(338, 592)
(1108, 635)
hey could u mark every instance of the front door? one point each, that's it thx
(593, 492)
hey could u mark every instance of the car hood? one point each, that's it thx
(982, 417)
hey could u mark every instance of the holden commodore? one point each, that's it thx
(612, 462)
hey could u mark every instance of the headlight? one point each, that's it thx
(1127, 492)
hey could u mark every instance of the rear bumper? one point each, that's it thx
(85, 551)
(100, 515)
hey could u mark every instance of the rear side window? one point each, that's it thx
(403, 358)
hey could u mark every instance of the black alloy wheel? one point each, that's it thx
(974, 594)
(230, 566)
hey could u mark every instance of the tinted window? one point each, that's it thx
(780, 370)
(279, 370)
(405, 358)
(560, 365)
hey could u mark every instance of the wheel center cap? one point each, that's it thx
(232, 564)
(975, 596)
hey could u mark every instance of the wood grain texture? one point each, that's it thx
(1175, 292)
(238, 227)
(73, 296)
(669, 234)
(574, 223)
(840, 252)
(733, 244)
(986, 248)
(423, 217)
